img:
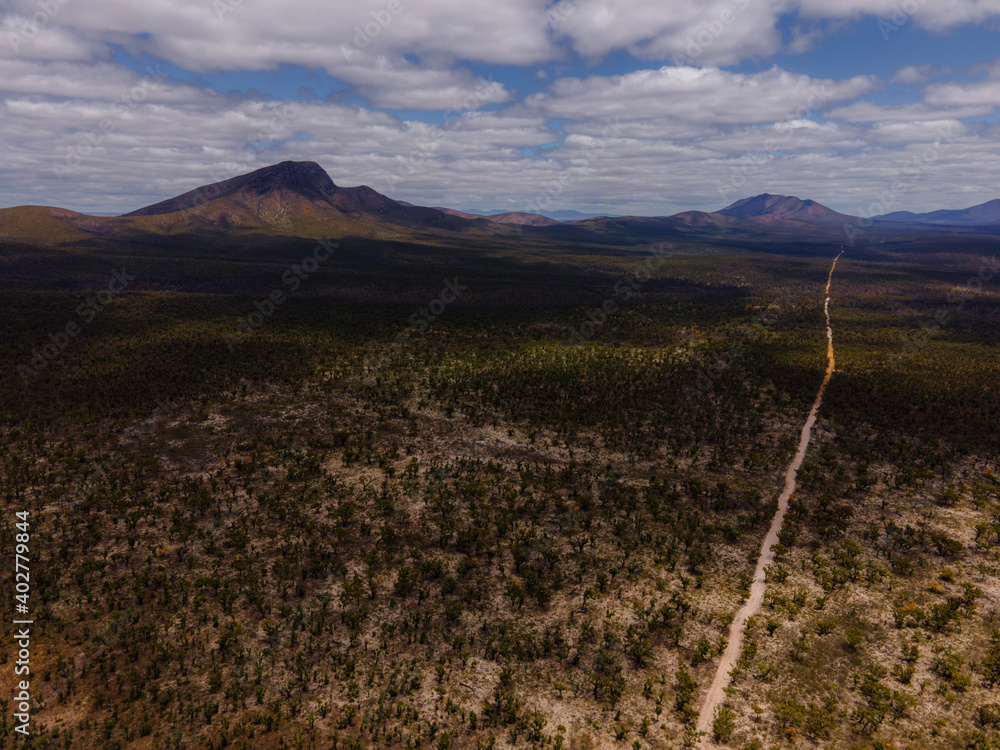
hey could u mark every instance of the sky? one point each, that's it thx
(646, 107)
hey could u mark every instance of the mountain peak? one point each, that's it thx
(781, 207)
(764, 204)
(299, 176)
(305, 178)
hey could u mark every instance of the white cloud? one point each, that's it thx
(716, 32)
(361, 43)
(23, 38)
(403, 85)
(913, 112)
(984, 94)
(97, 81)
(800, 124)
(913, 74)
(697, 95)
(930, 14)
(207, 35)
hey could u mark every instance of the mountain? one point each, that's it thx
(290, 199)
(290, 195)
(44, 224)
(456, 212)
(513, 217)
(780, 208)
(566, 214)
(524, 219)
(563, 214)
(305, 181)
(981, 215)
(750, 219)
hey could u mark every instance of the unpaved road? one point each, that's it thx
(716, 693)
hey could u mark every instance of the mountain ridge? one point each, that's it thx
(980, 215)
(299, 199)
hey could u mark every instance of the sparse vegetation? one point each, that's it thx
(494, 537)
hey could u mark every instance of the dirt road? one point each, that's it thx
(716, 692)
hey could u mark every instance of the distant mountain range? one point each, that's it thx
(560, 215)
(513, 217)
(984, 213)
(298, 199)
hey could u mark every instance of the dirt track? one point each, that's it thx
(751, 607)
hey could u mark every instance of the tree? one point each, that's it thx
(991, 662)
(723, 724)
(685, 687)
(515, 593)
(854, 638)
(638, 645)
